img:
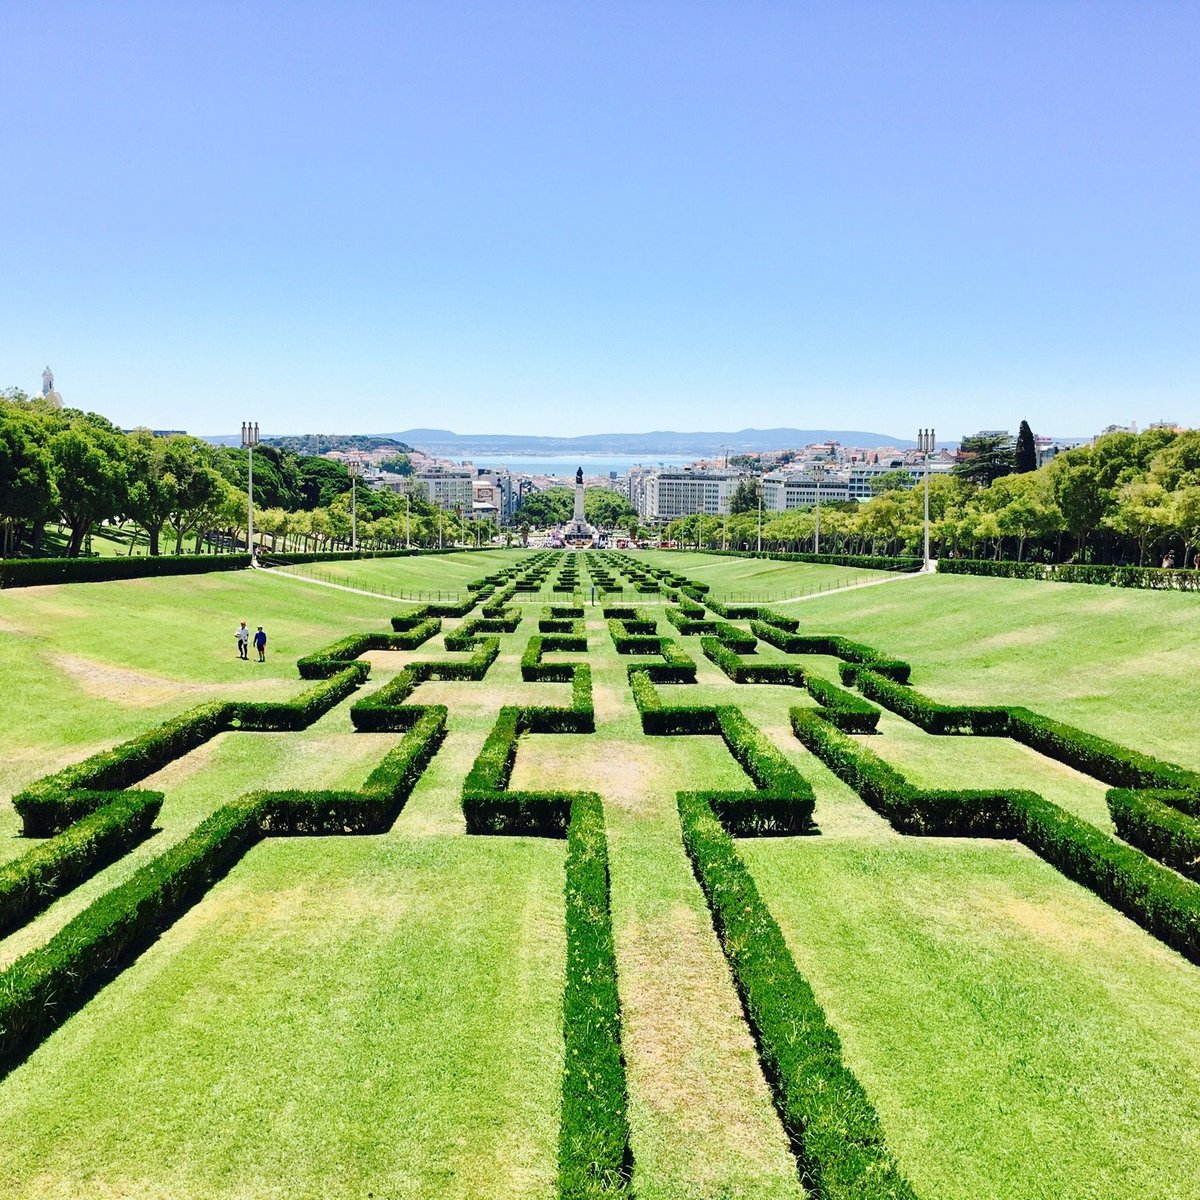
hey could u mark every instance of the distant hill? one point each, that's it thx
(463, 445)
(318, 443)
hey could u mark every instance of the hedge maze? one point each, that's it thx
(90, 814)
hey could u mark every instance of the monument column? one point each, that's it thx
(578, 519)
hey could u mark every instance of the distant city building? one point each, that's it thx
(785, 490)
(447, 487)
(667, 495)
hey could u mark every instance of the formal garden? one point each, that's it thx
(599, 874)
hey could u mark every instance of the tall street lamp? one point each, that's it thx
(926, 441)
(355, 469)
(407, 520)
(249, 441)
(760, 498)
(818, 471)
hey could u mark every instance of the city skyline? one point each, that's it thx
(568, 221)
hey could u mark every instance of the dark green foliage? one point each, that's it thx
(1134, 577)
(42, 989)
(1026, 450)
(824, 1109)
(468, 633)
(332, 659)
(46, 806)
(580, 717)
(929, 714)
(660, 720)
(1162, 902)
(277, 716)
(910, 809)
(1114, 764)
(594, 1159)
(534, 670)
(33, 572)
(852, 653)
(870, 562)
(1150, 821)
(841, 708)
(987, 458)
(30, 883)
(741, 671)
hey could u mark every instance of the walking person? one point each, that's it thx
(260, 644)
(243, 641)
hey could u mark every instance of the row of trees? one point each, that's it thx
(76, 471)
(1127, 498)
(603, 508)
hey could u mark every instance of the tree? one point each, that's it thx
(891, 481)
(744, 498)
(89, 472)
(985, 458)
(551, 507)
(1080, 498)
(151, 495)
(27, 493)
(604, 508)
(1026, 453)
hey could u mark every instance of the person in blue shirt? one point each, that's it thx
(260, 644)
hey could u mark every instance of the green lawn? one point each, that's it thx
(756, 578)
(381, 1015)
(440, 573)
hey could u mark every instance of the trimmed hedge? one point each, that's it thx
(579, 717)
(909, 809)
(534, 670)
(56, 801)
(594, 1158)
(1151, 822)
(34, 572)
(741, 671)
(1114, 576)
(852, 654)
(1158, 899)
(661, 720)
(469, 632)
(332, 659)
(286, 716)
(1114, 764)
(980, 720)
(44, 987)
(841, 708)
(32, 882)
(872, 562)
(827, 1114)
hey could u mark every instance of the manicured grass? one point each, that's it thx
(1112, 661)
(340, 1017)
(755, 578)
(381, 1014)
(438, 572)
(1017, 1036)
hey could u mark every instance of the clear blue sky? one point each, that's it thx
(570, 218)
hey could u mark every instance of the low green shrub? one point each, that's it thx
(1149, 821)
(827, 1115)
(741, 671)
(1114, 576)
(908, 808)
(840, 708)
(30, 883)
(594, 1159)
(980, 720)
(281, 716)
(35, 572)
(48, 806)
(1114, 764)
(661, 720)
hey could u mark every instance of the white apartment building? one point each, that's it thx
(449, 488)
(667, 495)
(785, 490)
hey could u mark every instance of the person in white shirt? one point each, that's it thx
(243, 640)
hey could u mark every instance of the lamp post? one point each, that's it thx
(407, 521)
(355, 469)
(249, 441)
(760, 495)
(818, 473)
(926, 441)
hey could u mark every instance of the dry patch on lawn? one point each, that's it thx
(138, 689)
